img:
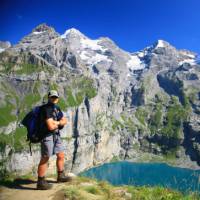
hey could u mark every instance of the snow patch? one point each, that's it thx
(71, 31)
(1, 49)
(135, 63)
(89, 50)
(191, 56)
(93, 59)
(188, 54)
(85, 42)
(141, 54)
(98, 58)
(38, 32)
(160, 44)
(84, 55)
(91, 44)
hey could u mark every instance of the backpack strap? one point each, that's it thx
(59, 113)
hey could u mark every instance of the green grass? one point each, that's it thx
(171, 154)
(154, 193)
(93, 189)
(116, 123)
(79, 97)
(141, 115)
(53, 86)
(5, 140)
(62, 103)
(6, 115)
(176, 115)
(20, 137)
(73, 193)
(16, 105)
(79, 89)
(30, 100)
(168, 123)
(191, 93)
(115, 159)
(156, 119)
(16, 140)
(26, 68)
(186, 101)
(23, 68)
(10, 102)
(71, 101)
(27, 104)
(85, 85)
(129, 124)
(90, 189)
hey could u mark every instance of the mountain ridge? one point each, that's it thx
(73, 30)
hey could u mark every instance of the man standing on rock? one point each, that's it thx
(52, 144)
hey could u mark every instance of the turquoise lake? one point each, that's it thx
(149, 174)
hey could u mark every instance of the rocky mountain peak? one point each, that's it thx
(161, 44)
(72, 33)
(43, 28)
(4, 45)
(158, 46)
(161, 47)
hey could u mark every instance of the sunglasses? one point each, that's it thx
(54, 97)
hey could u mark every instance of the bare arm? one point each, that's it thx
(53, 125)
(63, 121)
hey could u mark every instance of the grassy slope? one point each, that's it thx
(88, 189)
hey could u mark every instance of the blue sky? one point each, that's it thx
(132, 24)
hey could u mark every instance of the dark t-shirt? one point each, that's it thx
(50, 110)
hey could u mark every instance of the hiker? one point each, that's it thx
(52, 144)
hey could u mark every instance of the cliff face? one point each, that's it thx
(118, 105)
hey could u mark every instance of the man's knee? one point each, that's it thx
(60, 155)
(44, 159)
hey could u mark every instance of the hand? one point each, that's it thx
(63, 121)
(60, 127)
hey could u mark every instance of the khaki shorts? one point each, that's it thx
(51, 145)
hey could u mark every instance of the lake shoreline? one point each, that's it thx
(183, 162)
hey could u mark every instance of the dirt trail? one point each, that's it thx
(26, 190)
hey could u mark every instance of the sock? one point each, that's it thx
(40, 178)
(60, 172)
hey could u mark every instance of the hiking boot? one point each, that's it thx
(62, 178)
(42, 184)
